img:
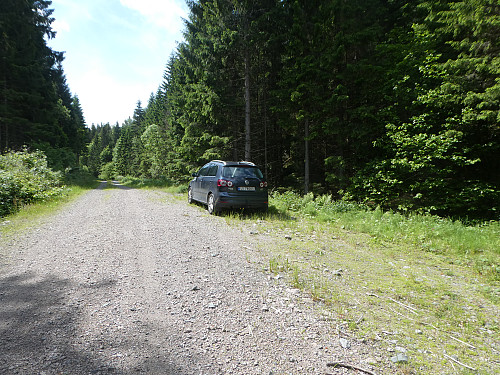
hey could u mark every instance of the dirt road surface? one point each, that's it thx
(127, 281)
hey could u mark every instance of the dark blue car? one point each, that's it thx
(227, 184)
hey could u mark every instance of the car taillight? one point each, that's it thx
(263, 184)
(224, 183)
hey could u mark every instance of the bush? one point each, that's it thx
(313, 206)
(25, 178)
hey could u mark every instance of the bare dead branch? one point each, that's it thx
(349, 366)
(460, 363)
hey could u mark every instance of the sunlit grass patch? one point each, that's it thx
(387, 277)
(478, 245)
(31, 214)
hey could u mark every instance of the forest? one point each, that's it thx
(389, 103)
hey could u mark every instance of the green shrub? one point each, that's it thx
(25, 178)
(311, 205)
(9, 190)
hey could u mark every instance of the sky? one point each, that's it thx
(115, 51)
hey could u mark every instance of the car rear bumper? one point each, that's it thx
(242, 201)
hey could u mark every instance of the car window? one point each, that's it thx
(231, 172)
(212, 170)
(203, 171)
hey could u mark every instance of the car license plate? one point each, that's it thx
(246, 188)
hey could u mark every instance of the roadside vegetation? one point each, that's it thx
(475, 244)
(25, 178)
(29, 189)
(424, 287)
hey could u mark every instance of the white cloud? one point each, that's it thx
(104, 96)
(105, 99)
(165, 14)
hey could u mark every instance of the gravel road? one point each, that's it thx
(127, 281)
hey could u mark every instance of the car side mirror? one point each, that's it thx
(195, 174)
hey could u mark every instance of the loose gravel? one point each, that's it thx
(129, 281)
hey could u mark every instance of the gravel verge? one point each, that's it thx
(129, 281)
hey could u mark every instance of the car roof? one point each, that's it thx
(234, 163)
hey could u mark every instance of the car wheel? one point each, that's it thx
(211, 207)
(190, 196)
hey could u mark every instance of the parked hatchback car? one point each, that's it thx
(227, 184)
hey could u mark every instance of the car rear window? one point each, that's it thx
(231, 172)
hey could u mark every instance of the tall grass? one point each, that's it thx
(478, 243)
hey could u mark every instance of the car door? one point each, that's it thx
(197, 184)
(209, 181)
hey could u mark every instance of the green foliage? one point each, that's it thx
(391, 103)
(164, 183)
(155, 151)
(98, 158)
(107, 171)
(36, 106)
(25, 178)
(80, 177)
(313, 206)
(438, 151)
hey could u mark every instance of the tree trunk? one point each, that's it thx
(248, 144)
(306, 158)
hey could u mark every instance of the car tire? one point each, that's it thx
(211, 206)
(190, 196)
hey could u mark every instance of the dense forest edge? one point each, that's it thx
(389, 104)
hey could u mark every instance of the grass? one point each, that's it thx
(427, 284)
(478, 245)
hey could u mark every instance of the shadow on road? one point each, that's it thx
(40, 333)
(113, 185)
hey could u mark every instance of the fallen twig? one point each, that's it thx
(411, 309)
(351, 367)
(460, 363)
(430, 325)
(397, 312)
(463, 342)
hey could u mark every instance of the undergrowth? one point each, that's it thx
(25, 178)
(76, 182)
